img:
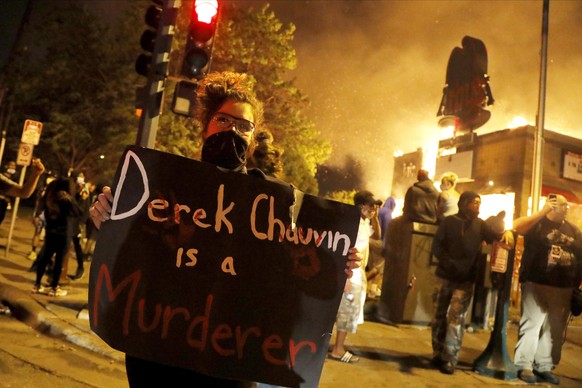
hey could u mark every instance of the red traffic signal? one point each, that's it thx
(200, 39)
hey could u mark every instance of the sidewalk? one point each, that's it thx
(389, 356)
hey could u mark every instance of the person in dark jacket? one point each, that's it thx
(421, 200)
(61, 211)
(457, 246)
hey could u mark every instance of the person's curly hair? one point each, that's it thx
(449, 177)
(216, 88)
(266, 156)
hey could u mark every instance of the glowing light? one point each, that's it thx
(398, 153)
(492, 204)
(518, 121)
(448, 132)
(490, 183)
(429, 157)
(206, 10)
(101, 156)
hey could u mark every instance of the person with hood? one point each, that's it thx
(385, 214)
(457, 246)
(420, 201)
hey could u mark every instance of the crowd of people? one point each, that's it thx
(233, 139)
(60, 217)
(550, 271)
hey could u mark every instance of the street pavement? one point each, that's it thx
(390, 356)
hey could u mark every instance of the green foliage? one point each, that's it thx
(342, 196)
(82, 89)
(255, 42)
(79, 80)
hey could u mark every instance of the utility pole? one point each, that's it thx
(538, 157)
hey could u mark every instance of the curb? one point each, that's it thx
(28, 310)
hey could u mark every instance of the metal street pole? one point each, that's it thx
(538, 157)
(495, 361)
(14, 213)
(148, 122)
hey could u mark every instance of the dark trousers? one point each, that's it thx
(78, 252)
(57, 245)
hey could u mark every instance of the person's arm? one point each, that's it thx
(376, 230)
(523, 224)
(29, 185)
(490, 234)
(439, 244)
(101, 209)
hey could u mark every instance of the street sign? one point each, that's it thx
(31, 132)
(24, 154)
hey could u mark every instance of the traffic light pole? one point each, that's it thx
(154, 89)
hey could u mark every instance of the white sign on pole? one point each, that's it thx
(31, 132)
(24, 154)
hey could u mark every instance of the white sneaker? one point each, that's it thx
(57, 292)
(38, 289)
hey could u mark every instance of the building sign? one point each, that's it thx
(461, 163)
(572, 166)
(223, 273)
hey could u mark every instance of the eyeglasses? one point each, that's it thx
(225, 121)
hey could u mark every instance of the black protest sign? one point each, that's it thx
(227, 274)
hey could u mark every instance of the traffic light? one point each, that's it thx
(148, 38)
(467, 89)
(200, 40)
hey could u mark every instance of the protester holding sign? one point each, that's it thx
(229, 113)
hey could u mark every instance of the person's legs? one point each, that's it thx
(530, 324)
(42, 261)
(80, 258)
(61, 245)
(339, 349)
(441, 297)
(460, 301)
(346, 322)
(556, 301)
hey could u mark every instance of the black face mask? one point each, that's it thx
(225, 149)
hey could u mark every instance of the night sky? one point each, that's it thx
(375, 70)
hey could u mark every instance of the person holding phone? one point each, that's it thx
(551, 267)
